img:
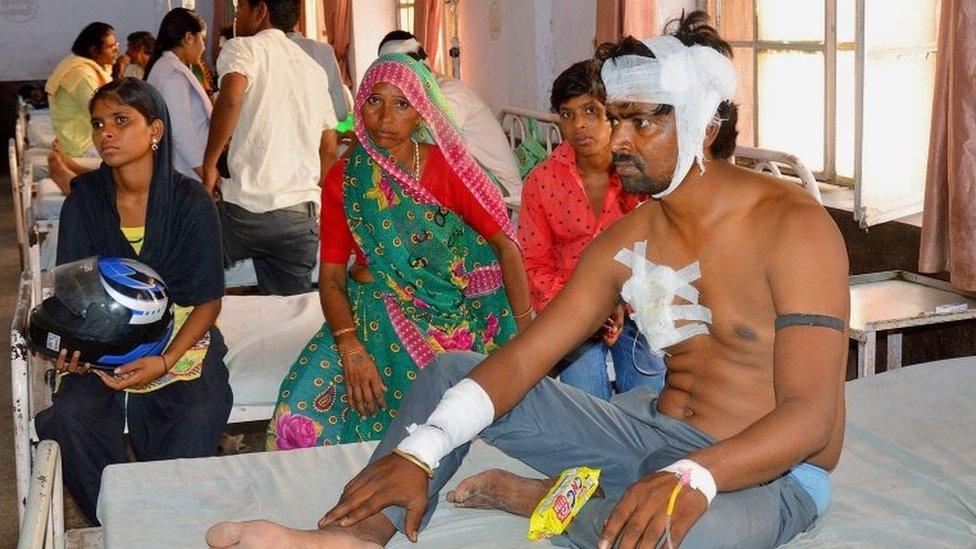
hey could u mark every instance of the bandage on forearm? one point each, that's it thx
(463, 412)
(699, 477)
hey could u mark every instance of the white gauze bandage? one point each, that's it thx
(651, 291)
(694, 80)
(699, 478)
(463, 412)
(409, 45)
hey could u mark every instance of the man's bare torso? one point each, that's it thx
(723, 382)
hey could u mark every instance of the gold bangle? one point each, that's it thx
(526, 313)
(338, 333)
(416, 461)
(356, 351)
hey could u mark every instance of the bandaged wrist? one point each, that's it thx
(699, 477)
(463, 412)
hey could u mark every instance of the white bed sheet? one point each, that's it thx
(907, 478)
(40, 129)
(187, 496)
(49, 199)
(264, 335)
(36, 158)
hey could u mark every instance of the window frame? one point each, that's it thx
(829, 48)
(410, 5)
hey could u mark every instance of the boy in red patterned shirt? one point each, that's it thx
(566, 202)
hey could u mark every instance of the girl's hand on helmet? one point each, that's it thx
(62, 364)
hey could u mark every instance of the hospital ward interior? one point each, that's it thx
(488, 273)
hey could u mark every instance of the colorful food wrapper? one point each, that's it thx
(564, 500)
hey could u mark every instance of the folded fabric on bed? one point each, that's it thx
(907, 478)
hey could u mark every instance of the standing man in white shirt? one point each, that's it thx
(480, 130)
(324, 55)
(272, 110)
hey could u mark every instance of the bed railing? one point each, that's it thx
(13, 160)
(768, 160)
(513, 121)
(20, 385)
(43, 520)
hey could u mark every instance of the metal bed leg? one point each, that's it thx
(893, 361)
(866, 355)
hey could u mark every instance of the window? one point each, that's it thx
(846, 85)
(405, 13)
(451, 25)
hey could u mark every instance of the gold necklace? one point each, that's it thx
(415, 171)
(416, 160)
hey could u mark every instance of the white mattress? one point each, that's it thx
(36, 157)
(48, 201)
(264, 335)
(907, 478)
(40, 130)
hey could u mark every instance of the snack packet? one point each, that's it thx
(564, 500)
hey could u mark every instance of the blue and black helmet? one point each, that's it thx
(112, 310)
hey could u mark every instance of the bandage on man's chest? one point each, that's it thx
(464, 411)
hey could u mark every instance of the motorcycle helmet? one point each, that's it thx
(112, 310)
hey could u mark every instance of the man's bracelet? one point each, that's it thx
(415, 460)
(165, 366)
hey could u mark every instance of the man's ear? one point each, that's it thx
(711, 133)
(263, 14)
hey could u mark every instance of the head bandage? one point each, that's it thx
(651, 291)
(409, 45)
(694, 80)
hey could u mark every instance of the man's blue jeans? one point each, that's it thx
(555, 427)
(634, 365)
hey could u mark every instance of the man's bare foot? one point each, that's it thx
(371, 533)
(498, 489)
(59, 171)
(258, 534)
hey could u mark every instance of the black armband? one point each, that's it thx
(804, 319)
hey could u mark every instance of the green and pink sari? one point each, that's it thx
(437, 284)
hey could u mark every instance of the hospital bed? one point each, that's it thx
(905, 479)
(263, 334)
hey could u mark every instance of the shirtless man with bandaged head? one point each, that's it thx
(741, 279)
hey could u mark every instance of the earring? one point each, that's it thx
(155, 144)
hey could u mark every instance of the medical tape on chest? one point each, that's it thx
(651, 291)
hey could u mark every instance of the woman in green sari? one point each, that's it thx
(437, 268)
